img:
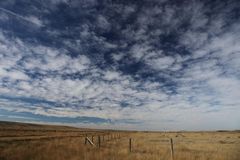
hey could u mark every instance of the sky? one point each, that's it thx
(142, 65)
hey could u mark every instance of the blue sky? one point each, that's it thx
(146, 65)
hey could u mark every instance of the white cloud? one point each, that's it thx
(227, 89)
(117, 57)
(103, 22)
(139, 51)
(35, 20)
(194, 40)
(111, 75)
(13, 74)
(161, 63)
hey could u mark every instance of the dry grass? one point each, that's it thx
(146, 146)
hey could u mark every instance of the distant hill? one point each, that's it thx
(4, 125)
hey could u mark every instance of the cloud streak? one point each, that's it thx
(32, 19)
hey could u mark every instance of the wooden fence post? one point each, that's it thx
(130, 145)
(172, 151)
(92, 138)
(99, 141)
(89, 141)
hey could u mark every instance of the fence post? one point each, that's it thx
(89, 141)
(172, 151)
(92, 138)
(99, 141)
(130, 145)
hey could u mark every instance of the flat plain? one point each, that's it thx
(20, 141)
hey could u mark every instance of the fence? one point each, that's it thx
(118, 136)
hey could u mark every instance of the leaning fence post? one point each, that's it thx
(172, 151)
(99, 141)
(130, 145)
(89, 141)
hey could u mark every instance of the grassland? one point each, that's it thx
(20, 141)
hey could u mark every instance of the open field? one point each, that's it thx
(42, 142)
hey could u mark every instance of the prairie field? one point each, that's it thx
(19, 141)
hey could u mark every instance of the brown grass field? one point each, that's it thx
(20, 141)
